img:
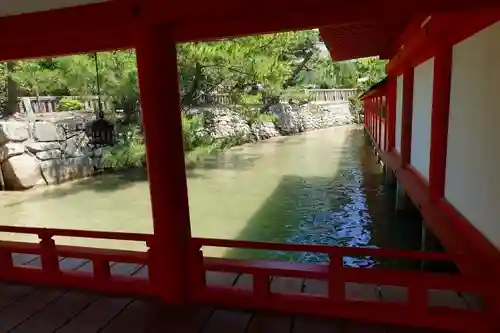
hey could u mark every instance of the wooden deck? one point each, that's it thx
(29, 309)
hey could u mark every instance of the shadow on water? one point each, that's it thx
(105, 182)
(350, 208)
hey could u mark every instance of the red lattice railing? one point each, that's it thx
(415, 312)
(98, 279)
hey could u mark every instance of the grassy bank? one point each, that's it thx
(130, 150)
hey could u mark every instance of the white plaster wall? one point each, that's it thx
(421, 119)
(399, 112)
(473, 158)
(14, 7)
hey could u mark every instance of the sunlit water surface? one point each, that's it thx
(323, 187)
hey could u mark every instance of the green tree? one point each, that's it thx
(36, 77)
(370, 71)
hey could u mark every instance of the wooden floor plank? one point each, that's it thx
(270, 323)
(23, 259)
(394, 294)
(56, 314)
(47, 309)
(69, 264)
(190, 320)
(96, 316)
(316, 287)
(11, 293)
(360, 327)
(20, 311)
(143, 272)
(474, 301)
(316, 325)
(361, 292)
(227, 321)
(123, 268)
(137, 317)
(281, 284)
(446, 298)
(244, 281)
(220, 278)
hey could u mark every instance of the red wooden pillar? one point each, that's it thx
(161, 116)
(365, 113)
(368, 114)
(391, 113)
(379, 129)
(407, 116)
(372, 118)
(439, 122)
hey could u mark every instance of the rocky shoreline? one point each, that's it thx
(47, 150)
(54, 147)
(224, 122)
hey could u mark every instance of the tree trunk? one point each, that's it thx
(12, 106)
(298, 69)
(188, 99)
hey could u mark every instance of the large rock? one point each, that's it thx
(21, 172)
(47, 131)
(13, 131)
(77, 145)
(49, 154)
(36, 147)
(264, 130)
(225, 123)
(11, 149)
(60, 170)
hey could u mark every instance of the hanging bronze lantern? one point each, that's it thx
(102, 131)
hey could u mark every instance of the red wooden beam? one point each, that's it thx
(114, 23)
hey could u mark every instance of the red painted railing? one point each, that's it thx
(99, 279)
(416, 311)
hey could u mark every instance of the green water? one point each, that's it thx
(322, 187)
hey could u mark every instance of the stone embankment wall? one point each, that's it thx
(46, 151)
(224, 122)
(54, 147)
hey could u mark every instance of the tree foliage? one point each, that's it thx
(274, 62)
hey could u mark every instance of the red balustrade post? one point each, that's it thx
(336, 281)
(6, 262)
(418, 298)
(102, 271)
(197, 271)
(161, 117)
(261, 286)
(49, 257)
